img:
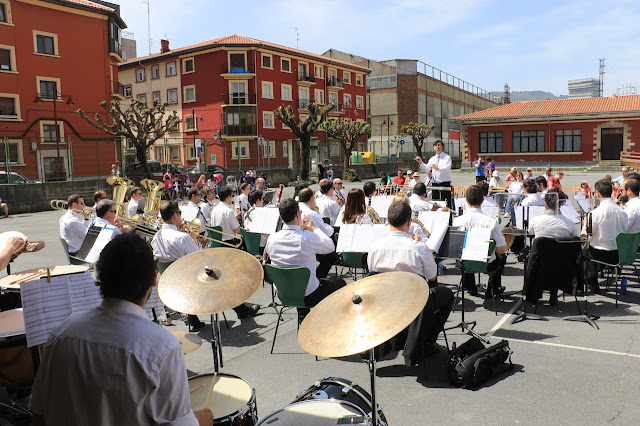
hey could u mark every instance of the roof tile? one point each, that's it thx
(92, 4)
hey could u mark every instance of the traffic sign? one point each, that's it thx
(213, 159)
(401, 141)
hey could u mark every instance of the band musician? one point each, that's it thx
(223, 215)
(552, 224)
(256, 201)
(107, 218)
(208, 203)
(99, 195)
(111, 361)
(328, 204)
(398, 252)
(73, 226)
(631, 188)
(418, 200)
(133, 208)
(474, 217)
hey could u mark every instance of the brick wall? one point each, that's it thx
(407, 100)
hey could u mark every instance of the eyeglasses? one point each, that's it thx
(112, 211)
(338, 183)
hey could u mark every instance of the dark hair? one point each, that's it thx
(243, 186)
(305, 195)
(73, 198)
(530, 186)
(103, 207)
(634, 176)
(135, 189)
(354, 206)
(485, 188)
(488, 158)
(300, 186)
(384, 179)
(551, 199)
(420, 189)
(368, 188)
(125, 269)
(604, 187)
(540, 180)
(474, 196)
(438, 142)
(325, 187)
(224, 193)
(288, 209)
(399, 213)
(254, 196)
(633, 186)
(97, 196)
(192, 192)
(168, 209)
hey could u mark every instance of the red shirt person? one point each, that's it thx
(554, 181)
(400, 179)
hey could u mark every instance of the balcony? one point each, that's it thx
(305, 79)
(117, 89)
(335, 82)
(240, 72)
(303, 103)
(240, 121)
(239, 99)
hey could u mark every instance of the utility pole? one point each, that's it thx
(601, 76)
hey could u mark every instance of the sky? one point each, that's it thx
(533, 45)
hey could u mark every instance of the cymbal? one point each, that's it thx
(509, 236)
(339, 327)
(189, 341)
(233, 276)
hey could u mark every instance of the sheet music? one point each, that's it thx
(83, 292)
(155, 302)
(570, 213)
(583, 203)
(359, 237)
(437, 224)
(533, 212)
(264, 220)
(103, 239)
(476, 244)
(189, 213)
(381, 203)
(460, 202)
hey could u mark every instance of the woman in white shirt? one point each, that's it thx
(515, 191)
(354, 210)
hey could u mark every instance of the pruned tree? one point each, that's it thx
(418, 133)
(138, 123)
(347, 133)
(304, 129)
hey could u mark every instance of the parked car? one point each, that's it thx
(209, 170)
(326, 162)
(134, 170)
(16, 178)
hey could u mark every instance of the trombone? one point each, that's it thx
(86, 213)
(196, 226)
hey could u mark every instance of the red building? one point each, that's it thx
(227, 91)
(587, 129)
(62, 50)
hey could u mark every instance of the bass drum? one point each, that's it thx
(233, 401)
(329, 401)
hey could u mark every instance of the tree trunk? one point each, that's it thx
(141, 154)
(305, 151)
(418, 149)
(346, 148)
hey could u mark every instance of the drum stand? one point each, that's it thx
(371, 362)
(216, 342)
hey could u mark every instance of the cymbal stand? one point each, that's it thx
(371, 362)
(216, 342)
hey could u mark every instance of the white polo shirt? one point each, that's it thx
(225, 216)
(132, 207)
(328, 207)
(552, 225)
(633, 214)
(399, 252)
(475, 217)
(169, 244)
(73, 230)
(305, 210)
(608, 220)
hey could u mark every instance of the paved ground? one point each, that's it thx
(565, 372)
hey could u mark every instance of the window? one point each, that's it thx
(156, 97)
(155, 72)
(269, 149)
(240, 121)
(192, 152)
(528, 141)
(127, 91)
(333, 98)
(358, 79)
(237, 60)
(171, 68)
(172, 96)
(187, 65)
(285, 65)
(347, 100)
(9, 107)
(569, 140)
(267, 89)
(303, 96)
(142, 99)
(285, 148)
(239, 93)
(490, 141)
(334, 149)
(189, 93)
(7, 58)
(346, 77)
(359, 102)
(5, 12)
(15, 151)
(286, 92)
(332, 74)
(48, 132)
(49, 88)
(174, 128)
(266, 61)
(244, 149)
(267, 120)
(140, 75)
(302, 70)
(318, 71)
(319, 96)
(45, 43)
(189, 125)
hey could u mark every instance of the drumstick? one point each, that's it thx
(195, 389)
(213, 382)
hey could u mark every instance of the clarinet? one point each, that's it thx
(279, 195)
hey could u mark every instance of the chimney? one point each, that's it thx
(164, 46)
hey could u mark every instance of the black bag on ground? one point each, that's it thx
(472, 363)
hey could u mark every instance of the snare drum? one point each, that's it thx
(17, 368)
(233, 401)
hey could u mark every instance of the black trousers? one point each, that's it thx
(326, 262)
(592, 268)
(481, 179)
(494, 270)
(326, 287)
(442, 195)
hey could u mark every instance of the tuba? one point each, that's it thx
(120, 186)
(153, 195)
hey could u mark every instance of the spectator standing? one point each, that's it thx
(480, 172)
(491, 166)
(320, 171)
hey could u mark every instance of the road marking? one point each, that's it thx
(580, 348)
(504, 319)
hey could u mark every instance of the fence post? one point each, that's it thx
(7, 158)
(204, 142)
(70, 158)
(239, 155)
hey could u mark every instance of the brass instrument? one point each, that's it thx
(375, 219)
(120, 186)
(196, 226)
(86, 213)
(424, 230)
(509, 235)
(137, 224)
(154, 192)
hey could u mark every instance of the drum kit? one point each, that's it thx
(352, 320)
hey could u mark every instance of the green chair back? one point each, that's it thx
(161, 266)
(291, 284)
(215, 235)
(473, 266)
(353, 259)
(65, 246)
(251, 240)
(326, 220)
(628, 243)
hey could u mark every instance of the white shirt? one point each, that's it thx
(328, 207)
(111, 365)
(101, 222)
(633, 213)
(223, 215)
(200, 214)
(132, 207)
(398, 252)
(205, 208)
(495, 182)
(412, 183)
(515, 187)
(291, 247)
(608, 220)
(552, 225)
(169, 244)
(243, 202)
(475, 217)
(418, 204)
(533, 200)
(316, 218)
(73, 230)
(443, 163)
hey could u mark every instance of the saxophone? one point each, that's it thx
(417, 222)
(375, 219)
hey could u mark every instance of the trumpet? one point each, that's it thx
(196, 227)
(86, 213)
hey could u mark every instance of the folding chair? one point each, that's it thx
(627, 243)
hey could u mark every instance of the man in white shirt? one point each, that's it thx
(440, 168)
(297, 244)
(99, 195)
(130, 366)
(541, 185)
(337, 190)
(532, 197)
(474, 217)
(224, 215)
(607, 221)
(133, 207)
(208, 203)
(242, 202)
(307, 203)
(552, 224)
(397, 252)
(194, 197)
(622, 178)
(418, 200)
(106, 218)
(328, 204)
(631, 188)
(73, 228)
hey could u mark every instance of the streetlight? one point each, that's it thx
(53, 94)
(387, 123)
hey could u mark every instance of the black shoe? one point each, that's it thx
(497, 292)
(248, 310)
(553, 298)
(473, 291)
(595, 289)
(194, 321)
